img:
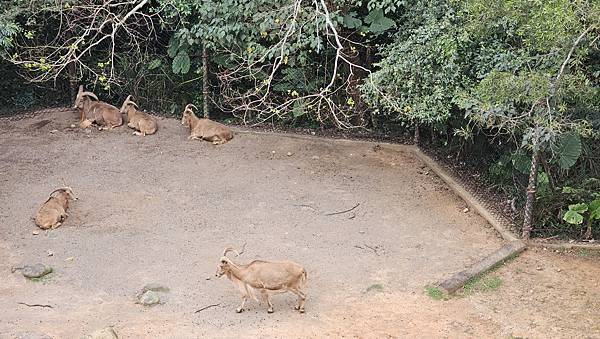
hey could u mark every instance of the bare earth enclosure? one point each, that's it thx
(160, 209)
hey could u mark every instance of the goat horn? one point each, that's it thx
(230, 249)
(127, 102)
(66, 188)
(90, 94)
(187, 107)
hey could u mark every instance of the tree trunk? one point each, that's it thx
(417, 138)
(205, 89)
(530, 195)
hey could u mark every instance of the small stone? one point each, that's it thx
(393, 164)
(72, 126)
(32, 335)
(53, 131)
(35, 271)
(272, 152)
(538, 268)
(149, 298)
(313, 133)
(105, 333)
(69, 259)
(289, 154)
(50, 253)
(35, 232)
(466, 210)
(154, 287)
(361, 232)
(315, 157)
(558, 270)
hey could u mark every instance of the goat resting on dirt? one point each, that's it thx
(142, 122)
(268, 278)
(54, 211)
(105, 115)
(204, 128)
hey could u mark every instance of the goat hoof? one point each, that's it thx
(301, 310)
(270, 310)
(239, 310)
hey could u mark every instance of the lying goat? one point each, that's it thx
(266, 277)
(54, 211)
(105, 115)
(142, 122)
(204, 128)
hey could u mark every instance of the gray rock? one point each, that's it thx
(32, 335)
(155, 288)
(149, 298)
(105, 333)
(35, 271)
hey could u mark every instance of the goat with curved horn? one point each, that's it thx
(142, 122)
(101, 113)
(205, 129)
(54, 211)
(265, 277)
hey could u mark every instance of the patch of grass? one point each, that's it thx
(41, 279)
(375, 287)
(482, 283)
(434, 293)
(584, 252)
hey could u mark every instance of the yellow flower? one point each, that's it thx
(350, 101)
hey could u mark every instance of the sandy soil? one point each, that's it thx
(160, 209)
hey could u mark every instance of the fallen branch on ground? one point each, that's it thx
(345, 211)
(207, 307)
(35, 305)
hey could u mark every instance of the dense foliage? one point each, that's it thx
(512, 87)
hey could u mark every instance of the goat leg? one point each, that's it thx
(301, 299)
(241, 308)
(267, 299)
(85, 123)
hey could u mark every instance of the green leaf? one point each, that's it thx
(378, 21)
(573, 218)
(350, 21)
(568, 150)
(154, 64)
(580, 208)
(298, 109)
(181, 63)
(594, 207)
(521, 162)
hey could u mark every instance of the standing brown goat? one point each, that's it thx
(142, 122)
(204, 128)
(266, 277)
(54, 211)
(105, 115)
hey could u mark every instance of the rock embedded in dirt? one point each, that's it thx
(149, 298)
(35, 271)
(105, 333)
(154, 287)
(33, 335)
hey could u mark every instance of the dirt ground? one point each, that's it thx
(160, 209)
